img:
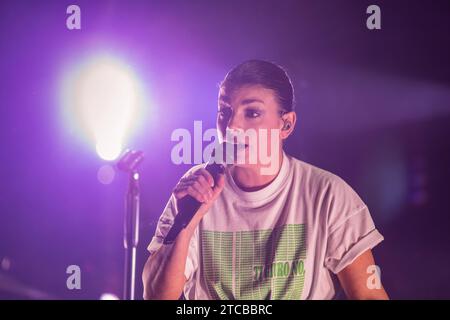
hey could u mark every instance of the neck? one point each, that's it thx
(250, 178)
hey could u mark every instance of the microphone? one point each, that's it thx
(188, 205)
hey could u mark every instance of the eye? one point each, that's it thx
(252, 113)
(224, 113)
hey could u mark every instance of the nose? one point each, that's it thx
(233, 122)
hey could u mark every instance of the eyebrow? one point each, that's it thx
(225, 100)
(251, 100)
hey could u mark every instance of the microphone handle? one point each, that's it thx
(188, 206)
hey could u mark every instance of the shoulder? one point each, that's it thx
(316, 178)
(326, 188)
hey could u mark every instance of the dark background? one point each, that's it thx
(373, 107)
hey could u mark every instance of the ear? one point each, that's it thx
(289, 120)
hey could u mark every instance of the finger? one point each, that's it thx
(191, 177)
(180, 192)
(205, 186)
(200, 185)
(220, 183)
(204, 173)
(196, 194)
(184, 184)
(180, 189)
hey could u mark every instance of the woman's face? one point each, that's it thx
(254, 112)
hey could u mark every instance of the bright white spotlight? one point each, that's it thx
(105, 98)
(108, 149)
(109, 296)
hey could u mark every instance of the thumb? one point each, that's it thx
(220, 184)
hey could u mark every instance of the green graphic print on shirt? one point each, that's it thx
(257, 264)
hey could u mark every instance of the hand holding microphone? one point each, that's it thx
(196, 192)
(201, 186)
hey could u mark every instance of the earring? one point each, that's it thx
(287, 125)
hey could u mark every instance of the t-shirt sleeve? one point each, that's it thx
(351, 230)
(165, 222)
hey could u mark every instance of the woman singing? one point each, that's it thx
(264, 234)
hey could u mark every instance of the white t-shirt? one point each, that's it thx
(280, 242)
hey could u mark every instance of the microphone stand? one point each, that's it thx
(128, 163)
